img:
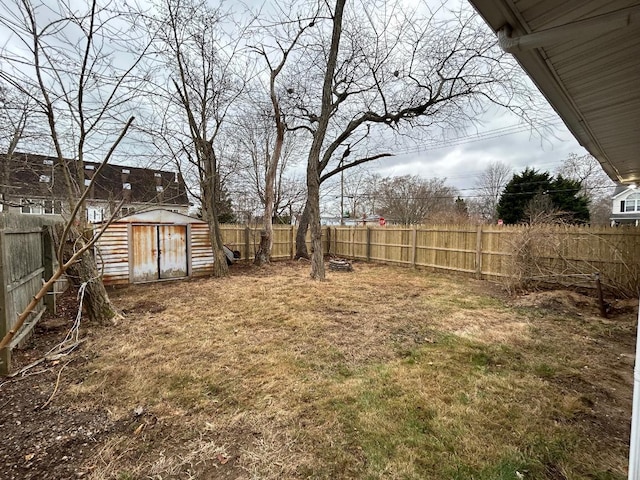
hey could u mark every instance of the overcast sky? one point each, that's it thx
(498, 136)
(501, 139)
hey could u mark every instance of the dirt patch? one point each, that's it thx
(43, 438)
(574, 303)
(145, 306)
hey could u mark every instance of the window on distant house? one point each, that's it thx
(95, 214)
(632, 203)
(52, 207)
(159, 188)
(127, 211)
(28, 206)
(46, 161)
(126, 186)
(45, 178)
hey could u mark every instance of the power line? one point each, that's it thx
(432, 197)
(476, 137)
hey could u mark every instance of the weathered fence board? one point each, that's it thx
(246, 240)
(495, 252)
(26, 257)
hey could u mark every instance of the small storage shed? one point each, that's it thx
(152, 246)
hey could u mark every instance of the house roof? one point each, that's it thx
(621, 189)
(583, 56)
(25, 175)
(159, 216)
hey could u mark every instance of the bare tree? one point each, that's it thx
(201, 91)
(60, 58)
(273, 149)
(596, 184)
(489, 186)
(411, 199)
(389, 73)
(255, 137)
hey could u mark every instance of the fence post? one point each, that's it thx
(414, 246)
(47, 263)
(368, 244)
(292, 237)
(328, 236)
(5, 353)
(247, 233)
(352, 231)
(479, 251)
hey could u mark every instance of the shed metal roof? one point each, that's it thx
(584, 56)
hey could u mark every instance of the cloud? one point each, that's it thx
(461, 161)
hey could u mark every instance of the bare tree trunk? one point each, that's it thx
(301, 235)
(220, 267)
(317, 255)
(313, 162)
(210, 211)
(97, 303)
(263, 254)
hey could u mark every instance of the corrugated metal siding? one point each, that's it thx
(201, 255)
(112, 254)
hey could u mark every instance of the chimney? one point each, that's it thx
(159, 187)
(89, 172)
(126, 186)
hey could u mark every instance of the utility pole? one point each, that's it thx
(341, 194)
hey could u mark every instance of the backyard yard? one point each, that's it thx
(382, 372)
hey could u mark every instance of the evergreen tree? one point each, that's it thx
(519, 193)
(566, 196)
(526, 191)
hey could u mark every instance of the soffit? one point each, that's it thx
(591, 77)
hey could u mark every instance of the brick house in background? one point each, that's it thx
(35, 184)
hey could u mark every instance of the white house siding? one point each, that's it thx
(630, 213)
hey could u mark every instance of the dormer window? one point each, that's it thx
(45, 179)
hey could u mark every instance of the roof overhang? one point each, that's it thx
(583, 56)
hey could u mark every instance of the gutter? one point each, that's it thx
(589, 27)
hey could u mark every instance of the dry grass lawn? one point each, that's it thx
(379, 373)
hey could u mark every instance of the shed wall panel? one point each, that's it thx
(112, 254)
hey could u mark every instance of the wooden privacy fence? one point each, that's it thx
(26, 258)
(246, 240)
(517, 254)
